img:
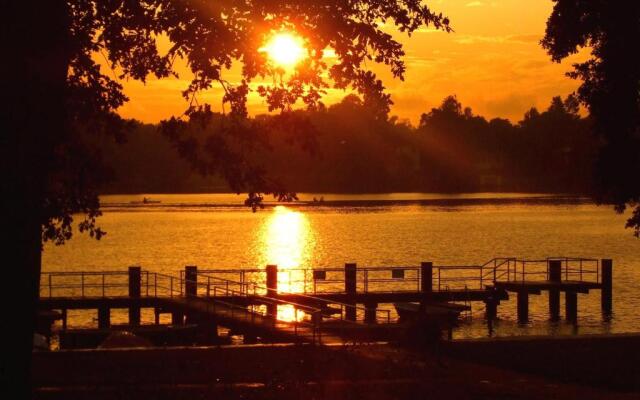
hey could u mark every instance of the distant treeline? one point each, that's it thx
(356, 151)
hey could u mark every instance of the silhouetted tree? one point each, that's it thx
(356, 151)
(57, 96)
(609, 89)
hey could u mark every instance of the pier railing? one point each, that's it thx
(220, 292)
(409, 279)
(571, 269)
(310, 282)
(330, 308)
(85, 284)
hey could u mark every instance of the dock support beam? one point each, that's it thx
(191, 288)
(104, 318)
(272, 289)
(177, 318)
(571, 306)
(555, 275)
(134, 294)
(426, 281)
(249, 338)
(426, 277)
(350, 276)
(607, 286)
(523, 306)
(491, 309)
(191, 280)
(370, 313)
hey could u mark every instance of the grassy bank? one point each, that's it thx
(290, 371)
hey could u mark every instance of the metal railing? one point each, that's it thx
(85, 284)
(309, 282)
(571, 268)
(254, 289)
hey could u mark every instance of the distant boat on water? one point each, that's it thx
(145, 200)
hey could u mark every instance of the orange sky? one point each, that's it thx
(493, 62)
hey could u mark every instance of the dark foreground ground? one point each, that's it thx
(599, 367)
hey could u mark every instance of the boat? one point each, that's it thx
(439, 310)
(145, 200)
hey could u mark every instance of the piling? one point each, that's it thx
(177, 318)
(134, 294)
(555, 275)
(272, 289)
(523, 306)
(426, 277)
(249, 338)
(571, 306)
(350, 276)
(370, 312)
(426, 281)
(191, 280)
(491, 309)
(606, 291)
(104, 318)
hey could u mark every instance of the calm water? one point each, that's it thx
(215, 231)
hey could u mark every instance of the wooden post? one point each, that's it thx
(426, 282)
(491, 307)
(104, 317)
(606, 290)
(555, 275)
(523, 306)
(370, 313)
(426, 277)
(209, 328)
(134, 294)
(571, 306)
(156, 312)
(350, 276)
(191, 289)
(177, 318)
(64, 319)
(272, 289)
(191, 281)
(249, 338)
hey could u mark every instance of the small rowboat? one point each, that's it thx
(408, 311)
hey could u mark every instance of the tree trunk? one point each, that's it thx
(34, 39)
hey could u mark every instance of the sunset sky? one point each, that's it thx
(493, 62)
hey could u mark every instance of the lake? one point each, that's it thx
(401, 229)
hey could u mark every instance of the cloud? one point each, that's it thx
(475, 4)
(510, 105)
(429, 29)
(514, 39)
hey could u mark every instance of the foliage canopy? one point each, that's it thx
(212, 37)
(610, 89)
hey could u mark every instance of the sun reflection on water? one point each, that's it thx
(287, 241)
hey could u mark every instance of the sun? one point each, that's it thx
(285, 49)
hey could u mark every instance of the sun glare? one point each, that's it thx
(285, 49)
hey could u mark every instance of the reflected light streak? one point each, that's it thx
(287, 242)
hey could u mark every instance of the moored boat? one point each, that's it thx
(444, 310)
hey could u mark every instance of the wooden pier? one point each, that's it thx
(322, 305)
